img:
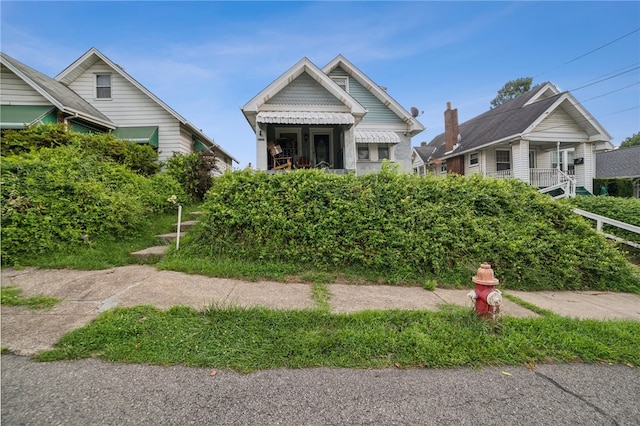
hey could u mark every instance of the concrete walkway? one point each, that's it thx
(85, 294)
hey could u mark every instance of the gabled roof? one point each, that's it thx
(516, 119)
(619, 163)
(414, 126)
(60, 96)
(259, 102)
(424, 152)
(93, 55)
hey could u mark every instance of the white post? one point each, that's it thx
(179, 220)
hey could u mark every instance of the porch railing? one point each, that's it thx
(608, 221)
(548, 177)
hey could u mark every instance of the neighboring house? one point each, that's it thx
(623, 163)
(334, 117)
(96, 95)
(420, 157)
(544, 137)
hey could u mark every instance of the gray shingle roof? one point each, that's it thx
(56, 90)
(508, 119)
(619, 163)
(424, 152)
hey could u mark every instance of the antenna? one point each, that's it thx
(415, 113)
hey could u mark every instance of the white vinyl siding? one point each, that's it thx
(130, 107)
(558, 126)
(14, 91)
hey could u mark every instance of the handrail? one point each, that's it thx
(603, 219)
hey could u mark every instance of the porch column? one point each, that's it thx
(261, 149)
(349, 149)
(584, 172)
(520, 155)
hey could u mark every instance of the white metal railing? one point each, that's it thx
(603, 219)
(504, 174)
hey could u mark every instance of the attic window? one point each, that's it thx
(343, 82)
(103, 86)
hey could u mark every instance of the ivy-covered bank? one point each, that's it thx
(407, 229)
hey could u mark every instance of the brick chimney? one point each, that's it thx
(451, 129)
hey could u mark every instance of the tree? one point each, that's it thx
(512, 89)
(631, 141)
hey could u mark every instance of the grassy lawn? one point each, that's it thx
(109, 253)
(250, 339)
(10, 296)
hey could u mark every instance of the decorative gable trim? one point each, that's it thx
(259, 102)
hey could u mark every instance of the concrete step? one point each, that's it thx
(170, 237)
(196, 213)
(186, 225)
(156, 251)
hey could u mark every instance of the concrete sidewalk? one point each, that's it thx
(85, 294)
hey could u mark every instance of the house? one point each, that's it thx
(335, 117)
(623, 163)
(94, 94)
(544, 137)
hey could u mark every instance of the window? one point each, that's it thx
(383, 152)
(363, 152)
(503, 160)
(103, 86)
(473, 159)
(443, 167)
(564, 160)
(343, 82)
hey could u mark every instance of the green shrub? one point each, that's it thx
(407, 228)
(622, 209)
(54, 198)
(615, 187)
(142, 159)
(193, 171)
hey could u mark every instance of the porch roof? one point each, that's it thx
(367, 136)
(304, 117)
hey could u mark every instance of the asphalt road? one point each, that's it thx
(92, 392)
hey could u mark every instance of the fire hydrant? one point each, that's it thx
(486, 297)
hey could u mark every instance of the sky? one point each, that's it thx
(206, 59)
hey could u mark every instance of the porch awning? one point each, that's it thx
(145, 134)
(304, 117)
(367, 136)
(20, 116)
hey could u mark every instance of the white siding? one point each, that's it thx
(520, 160)
(14, 91)
(558, 126)
(129, 106)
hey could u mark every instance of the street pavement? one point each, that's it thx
(91, 392)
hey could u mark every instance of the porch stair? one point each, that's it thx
(583, 192)
(165, 240)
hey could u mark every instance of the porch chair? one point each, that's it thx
(279, 161)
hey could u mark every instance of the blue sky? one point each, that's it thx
(206, 59)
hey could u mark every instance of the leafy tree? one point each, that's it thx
(631, 141)
(194, 171)
(511, 90)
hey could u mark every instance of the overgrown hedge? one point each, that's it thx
(408, 229)
(71, 193)
(623, 209)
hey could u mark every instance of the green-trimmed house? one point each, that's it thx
(544, 137)
(335, 118)
(94, 94)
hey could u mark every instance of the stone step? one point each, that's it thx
(196, 213)
(156, 251)
(186, 225)
(170, 237)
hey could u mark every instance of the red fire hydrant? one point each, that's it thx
(486, 297)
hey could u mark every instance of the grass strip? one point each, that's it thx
(250, 339)
(530, 306)
(10, 296)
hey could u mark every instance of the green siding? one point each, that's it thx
(377, 111)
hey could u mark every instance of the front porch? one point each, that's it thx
(553, 181)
